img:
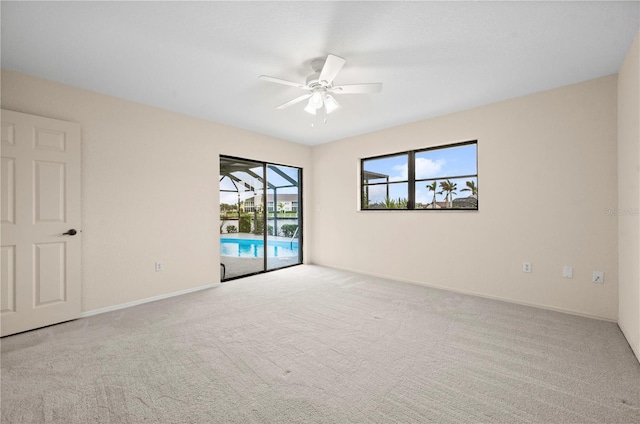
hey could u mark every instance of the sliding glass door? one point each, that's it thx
(283, 216)
(260, 217)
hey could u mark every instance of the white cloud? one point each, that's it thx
(377, 191)
(425, 168)
(402, 172)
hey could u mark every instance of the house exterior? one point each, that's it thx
(289, 203)
(470, 202)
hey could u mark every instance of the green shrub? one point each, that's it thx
(259, 226)
(388, 203)
(270, 229)
(231, 229)
(245, 224)
(288, 230)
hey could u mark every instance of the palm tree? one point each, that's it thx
(450, 188)
(281, 207)
(433, 187)
(471, 186)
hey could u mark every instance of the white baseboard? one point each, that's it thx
(146, 300)
(472, 293)
(632, 345)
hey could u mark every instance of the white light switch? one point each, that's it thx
(159, 266)
(567, 272)
(526, 267)
(598, 277)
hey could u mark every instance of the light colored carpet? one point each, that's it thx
(238, 267)
(314, 345)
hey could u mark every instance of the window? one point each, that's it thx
(436, 178)
(385, 182)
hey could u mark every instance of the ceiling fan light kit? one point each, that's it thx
(310, 108)
(319, 86)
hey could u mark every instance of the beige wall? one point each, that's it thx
(547, 176)
(149, 188)
(629, 196)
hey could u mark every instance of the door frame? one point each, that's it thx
(265, 233)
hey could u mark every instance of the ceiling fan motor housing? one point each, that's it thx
(313, 80)
(317, 64)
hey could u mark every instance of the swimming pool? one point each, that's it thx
(254, 248)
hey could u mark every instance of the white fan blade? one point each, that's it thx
(331, 67)
(294, 101)
(369, 88)
(281, 81)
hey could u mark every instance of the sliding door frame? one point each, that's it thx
(265, 215)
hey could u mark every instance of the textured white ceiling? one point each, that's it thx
(204, 58)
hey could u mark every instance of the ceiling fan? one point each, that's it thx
(319, 86)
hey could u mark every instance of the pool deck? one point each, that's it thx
(249, 236)
(242, 266)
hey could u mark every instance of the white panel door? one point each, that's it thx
(40, 211)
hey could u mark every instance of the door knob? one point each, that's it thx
(71, 232)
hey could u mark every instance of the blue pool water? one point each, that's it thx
(247, 248)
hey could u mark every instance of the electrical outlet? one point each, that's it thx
(567, 272)
(598, 277)
(526, 267)
(159, 266)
